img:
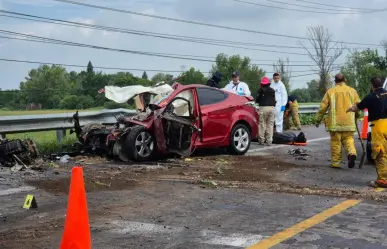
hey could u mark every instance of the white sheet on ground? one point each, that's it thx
(123, 94)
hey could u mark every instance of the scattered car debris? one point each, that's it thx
(299, 154)
(17, 153)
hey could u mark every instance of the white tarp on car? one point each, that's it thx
(123, 94)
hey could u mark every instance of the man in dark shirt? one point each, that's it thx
(292, 111)
(215, 80)
(376, 103)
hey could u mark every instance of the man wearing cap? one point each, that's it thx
(281, 97)
(266, 101)
(236, 86)
(340, 124)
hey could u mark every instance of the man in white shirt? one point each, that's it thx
(236, 86)
(281, 98)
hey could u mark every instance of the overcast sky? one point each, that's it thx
(362, 28)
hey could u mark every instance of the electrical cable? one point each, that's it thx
(67, 43)
(199, 23)
(337, 6)
(119, 68)
(138, 32)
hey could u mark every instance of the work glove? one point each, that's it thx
(283, 108)
(286, 113)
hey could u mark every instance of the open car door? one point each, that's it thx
(180, 122)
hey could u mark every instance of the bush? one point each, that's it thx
(307, 119)
(114, 105)
(73, 102)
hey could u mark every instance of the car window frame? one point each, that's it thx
(226, 95)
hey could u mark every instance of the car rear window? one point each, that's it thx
(208, 96)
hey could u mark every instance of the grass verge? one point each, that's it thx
(46, 141)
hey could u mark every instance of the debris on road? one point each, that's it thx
(209, 183)
(17, 153)
(299, 154)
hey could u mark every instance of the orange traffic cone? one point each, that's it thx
(364, 130)
(76, 233)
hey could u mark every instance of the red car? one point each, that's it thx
(190, 117)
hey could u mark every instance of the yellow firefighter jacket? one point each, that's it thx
(336, 101)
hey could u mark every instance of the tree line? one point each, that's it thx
(53, 87)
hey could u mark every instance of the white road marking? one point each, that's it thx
(235, 239)
(203, 236)
(286, 145)
(15, 190)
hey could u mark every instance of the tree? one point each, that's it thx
(144, 76)
(193, 76)
(315, 95)
(249, 73)
(324, 53)
(157, 78)
(282, 67)
(361, 66)
(302, 95)
(90, 68)
(45, 86)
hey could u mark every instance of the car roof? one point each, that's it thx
(197, 85)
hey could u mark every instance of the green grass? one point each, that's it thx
(36, 112)
(46, 140)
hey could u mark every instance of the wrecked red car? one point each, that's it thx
(190, 117)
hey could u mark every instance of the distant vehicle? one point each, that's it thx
(189, 117)
(369, 152)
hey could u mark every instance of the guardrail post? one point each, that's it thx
(60, 134)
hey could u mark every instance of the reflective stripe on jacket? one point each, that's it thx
(336, 101)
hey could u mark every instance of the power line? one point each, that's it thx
(298, 10)
(142, 33)
(172, 38)
(119, 68)
(67, 43)
(311, 7)
(338, 6)
(200, 23)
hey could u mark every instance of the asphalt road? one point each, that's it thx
(310, 206)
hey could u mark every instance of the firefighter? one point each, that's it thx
(215, 80)
(340, 124)
(292, 111)
(376, 103)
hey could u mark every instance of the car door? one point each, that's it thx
(180, 123)
(215, 114)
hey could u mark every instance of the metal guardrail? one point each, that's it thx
(63, 121)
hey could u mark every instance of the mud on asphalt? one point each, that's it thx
(261, 173)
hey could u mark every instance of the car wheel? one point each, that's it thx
(140, 144)
(240, 140)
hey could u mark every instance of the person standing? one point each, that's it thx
(376, 103)
(281, 97)
(340, 124)
(266, 101)
(237, 86)
(291, 110)
(215, 80)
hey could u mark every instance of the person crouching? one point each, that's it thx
(266, 101)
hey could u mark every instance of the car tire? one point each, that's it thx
(140, 144)
(240, 140)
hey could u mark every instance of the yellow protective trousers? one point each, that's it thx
(338, 139)
(293, 112)
(379, 148)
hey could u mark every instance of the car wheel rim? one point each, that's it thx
(241, 139)
(144, 144)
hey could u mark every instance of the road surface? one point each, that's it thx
(267, 199)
